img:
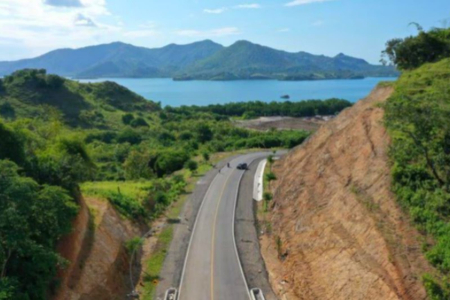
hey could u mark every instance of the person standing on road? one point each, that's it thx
(228, 164)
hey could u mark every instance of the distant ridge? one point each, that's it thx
(204, 60)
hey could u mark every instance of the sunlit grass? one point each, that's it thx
(132, 189)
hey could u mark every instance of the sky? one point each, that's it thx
(359, 28)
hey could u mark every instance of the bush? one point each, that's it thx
(271, 176)
(128, 135)
(169, 161)
(138, 122)
(7, 111)
(127, 118)
(185, 136)
(127, 206)
(54, 81)
(11, 147)
(192, 165)
(205, 156)
(103, 136)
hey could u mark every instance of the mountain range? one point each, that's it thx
(204, 60)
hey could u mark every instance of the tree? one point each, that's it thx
(204, 133)
(128, 135)
(414, 51)
(54, 81)
(205, 156)
(192, 165)
(127, 118)
(136, 165)
(7, 111)
(138, 122)
(32, 218)
(11, 146)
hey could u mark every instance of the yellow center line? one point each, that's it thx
(214, 237)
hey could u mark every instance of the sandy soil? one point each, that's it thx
(337, 232)
(283, 123)
(99, 264)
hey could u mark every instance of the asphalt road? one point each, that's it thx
(212, 269)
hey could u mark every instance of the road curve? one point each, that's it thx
(212, 270)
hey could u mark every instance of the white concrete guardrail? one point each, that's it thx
(257, 294)
(258, 187)
(171, 294)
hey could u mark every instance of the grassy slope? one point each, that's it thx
(421, 105)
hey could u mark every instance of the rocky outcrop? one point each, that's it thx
(98, 262)
(337, 232)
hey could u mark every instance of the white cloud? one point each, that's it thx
(249, 6)
(284, 30)
(81, 20)
(215, 11)
(303, 2)
(209, 33)
(37, 27)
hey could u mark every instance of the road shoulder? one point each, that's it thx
(247, 237)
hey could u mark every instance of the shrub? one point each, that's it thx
(128, 135)
(54, 81)
(205, 156)
(11, 147)
(7, 111)
(127, 118)
(138, 122)
(192, 165)
(271, 176)
(169, 161)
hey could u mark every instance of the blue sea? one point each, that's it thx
(177, 93)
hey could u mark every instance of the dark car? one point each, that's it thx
(242, 166)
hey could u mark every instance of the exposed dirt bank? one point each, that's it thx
(284, 123)
(337, 232)
(99, 263)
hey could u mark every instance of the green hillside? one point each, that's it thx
(418, 119)
(201, 60)
(245, 60)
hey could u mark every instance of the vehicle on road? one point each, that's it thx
(242, 166)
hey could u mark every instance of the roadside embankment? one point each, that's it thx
(336, 231)
(98, 261)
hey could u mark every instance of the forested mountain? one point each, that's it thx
(201, 60)
(245, 60)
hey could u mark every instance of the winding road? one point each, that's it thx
(212, 269)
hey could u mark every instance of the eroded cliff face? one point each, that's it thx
(337, 232)
(99, 264)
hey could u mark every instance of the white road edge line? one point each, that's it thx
(234, 236)
(192, 236)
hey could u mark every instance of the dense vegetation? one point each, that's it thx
(57, 134)
(254, 109)
(413, 51)
(418, 119)
(202, 60)
(39, 172)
